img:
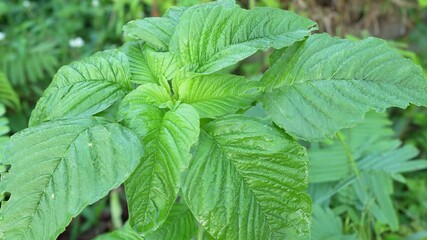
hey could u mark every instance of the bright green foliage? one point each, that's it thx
(324, 84)
(206, 168)
(209, 39)
(260, 173)
(84, 88)
(69, 164)
(167, 136)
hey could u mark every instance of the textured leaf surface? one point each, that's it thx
(325, 84)
(7, 95)
(153, 187)
(247, 181)
(217, 95)
(57, 169)
(84, 88)
(148, 65)
(211, 38)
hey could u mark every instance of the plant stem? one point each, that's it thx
(348, 153)
(200, 233)
(116, 209)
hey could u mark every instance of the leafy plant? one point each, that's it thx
(163, 116)
(354, 174)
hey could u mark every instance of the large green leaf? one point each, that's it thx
(84, 88)
(325, 84)
(7, 95)
(211, 38)
(57, 169)
(219, 94)
(247, 181)
(148, 65)
(167, 135)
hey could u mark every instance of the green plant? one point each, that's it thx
(159, 116)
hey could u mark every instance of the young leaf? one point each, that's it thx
(218, 94)
(147, 93)
(247, 181)
(180, 224)
(148, 65)
(211, 38)
(124, 233)
(156, 31)
(325, 84)
(84, 88)
(57, 169)
(153, 187)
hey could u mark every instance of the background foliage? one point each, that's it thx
(356, 187)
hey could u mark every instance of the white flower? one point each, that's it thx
(77, 42)
(95, 3)
(26, 3)
(2, 35)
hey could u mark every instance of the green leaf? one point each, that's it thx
(148, 65)
(211, 38)
(247, 181)
(84, 88)
(325, 84)
(124, 233)
(167, 135)
(180, 224)
(7, 95)
(57, 169)
(217, 95)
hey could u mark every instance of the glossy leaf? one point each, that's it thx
(167, 135)
(211, 38)
(325, 84)
(84, 88)
(57, 169)
(247, 181)
(218, 94)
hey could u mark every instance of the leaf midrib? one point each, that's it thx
(60, 159)
(241, 176)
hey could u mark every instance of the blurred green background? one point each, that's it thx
(38, 37)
